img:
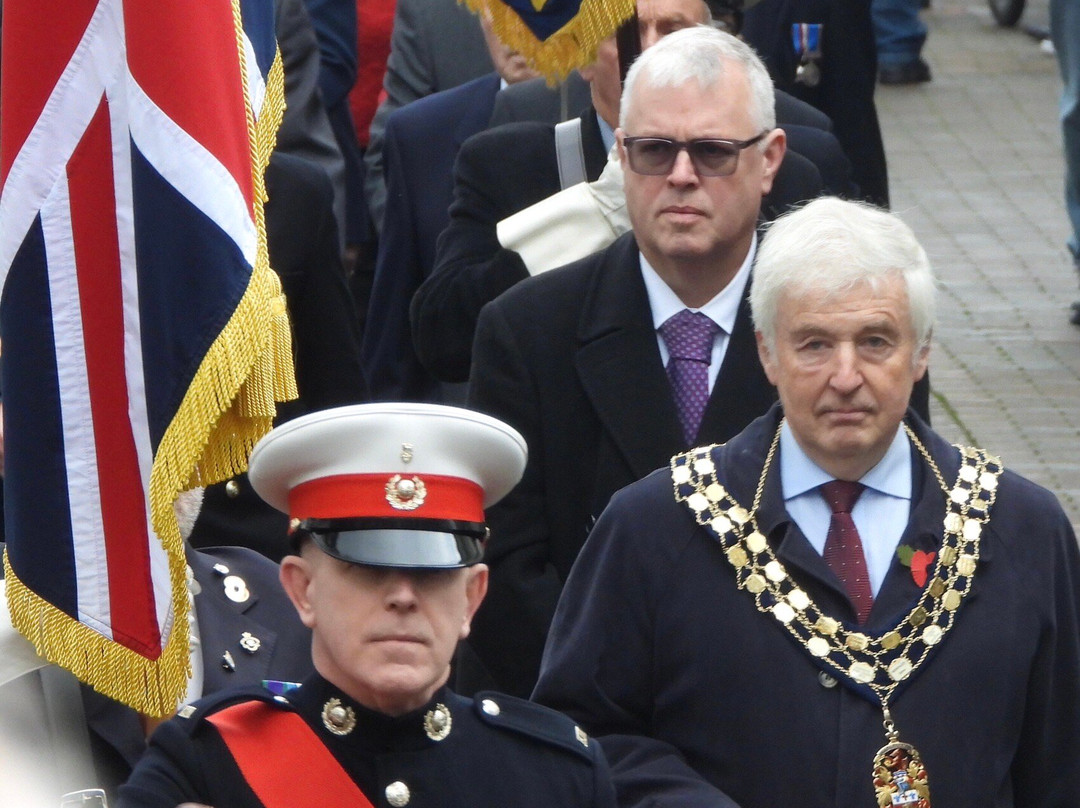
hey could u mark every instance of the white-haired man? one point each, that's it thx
(837, 607)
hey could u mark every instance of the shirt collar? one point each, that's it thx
(799, 474)
(722, 309)
(607, 134)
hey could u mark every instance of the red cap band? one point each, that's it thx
(349, 496)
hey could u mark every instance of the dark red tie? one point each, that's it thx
(843, 547)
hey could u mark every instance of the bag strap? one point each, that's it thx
(260, 737)
(570, 153)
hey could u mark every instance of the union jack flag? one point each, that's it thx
(144, 336)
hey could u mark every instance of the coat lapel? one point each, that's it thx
(618, 363)
(742, 392)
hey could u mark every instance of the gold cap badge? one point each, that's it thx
(405, 493)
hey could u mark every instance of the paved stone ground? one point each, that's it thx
(976, 169)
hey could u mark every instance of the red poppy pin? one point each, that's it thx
(918, 560)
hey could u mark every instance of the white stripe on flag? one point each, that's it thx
(255, 82)
(186, 165)
(80, 452)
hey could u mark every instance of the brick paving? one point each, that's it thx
(976, 169)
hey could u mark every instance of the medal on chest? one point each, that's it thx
(880, 663)
(806, 39)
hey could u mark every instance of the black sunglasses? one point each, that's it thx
(712, 157)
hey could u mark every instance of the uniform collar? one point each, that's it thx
(373, 731)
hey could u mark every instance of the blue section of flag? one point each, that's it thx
(35, 485)
(258, 16)
(553, 16)
(191, 279)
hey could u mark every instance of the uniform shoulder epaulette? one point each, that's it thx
(533, 720)
(194, 714)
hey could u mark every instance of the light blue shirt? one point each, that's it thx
(722, 309)
(880, 515)
(607, 134)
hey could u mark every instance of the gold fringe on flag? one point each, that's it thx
(231, 401)
(572, 46)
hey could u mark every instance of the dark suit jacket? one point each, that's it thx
(436, 45)
(822, 149)
(498, 173)
(419, 146)
(284, 651)
(306, 130)
(570, 359)
(848, 75)
(700, 699)
(533, 100)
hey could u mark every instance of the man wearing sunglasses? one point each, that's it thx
(581, 359)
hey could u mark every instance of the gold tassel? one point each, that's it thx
(572, 46)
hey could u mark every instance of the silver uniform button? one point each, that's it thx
(825, 680)
(490, 707)
(397, 794)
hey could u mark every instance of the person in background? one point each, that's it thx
(1065, 33)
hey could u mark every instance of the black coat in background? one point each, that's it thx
(848, 75)
(498, 172)
(570, 359)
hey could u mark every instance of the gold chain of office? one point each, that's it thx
(881, 662)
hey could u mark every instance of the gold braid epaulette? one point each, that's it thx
(878, 662)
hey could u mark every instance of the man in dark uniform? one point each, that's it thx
(822, 52)
(836, 607)
(387, 507)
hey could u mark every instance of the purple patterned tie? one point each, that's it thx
(843, 547)
(689, 336)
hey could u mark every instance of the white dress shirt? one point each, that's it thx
(722, 309)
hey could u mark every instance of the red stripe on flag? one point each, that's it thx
(189, 64)
(123, 510)
(40, 37)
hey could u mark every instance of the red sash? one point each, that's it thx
(265, 740)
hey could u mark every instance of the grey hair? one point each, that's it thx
(829, 246)
(702, 54)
